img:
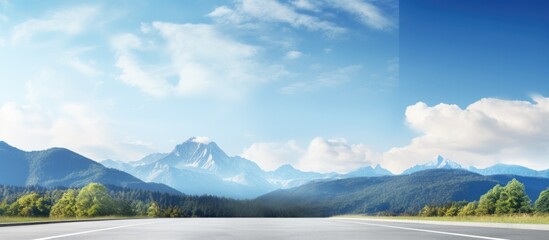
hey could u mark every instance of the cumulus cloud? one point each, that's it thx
(321, 155)
(69, 21)
(269, 156)
(335, 155)
(198, 56)
(72, 125)
(486, 132)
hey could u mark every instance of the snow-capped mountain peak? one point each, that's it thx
(369, 171)
(439, 163)
(202, 140)
(197, 152)
(442, 162)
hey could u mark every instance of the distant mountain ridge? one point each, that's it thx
(199, 166)
(60, 167)
(369, 171)
(439, 163)
(397, 194)
(498, 169)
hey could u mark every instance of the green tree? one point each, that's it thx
(140, 208)
(452, 211)
(173, 212)
(94, 200)
(154, 210)
(428, 211)
(66, 206)
(513, 199)
(487, 203)
(124, 208)
(30, 205)
(542, 204)
(503, 206)
(469, 209)
(441, 211)
(3, 208)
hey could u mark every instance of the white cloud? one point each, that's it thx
(366, 12)
(133, 73)
(72, 125)
(270, 156)
(69, 21)
(321, 155)
(275, 12)
(201, 59)
(291, 55)
(226, 14)
(305, 14)
(327, 79)
(488, 131)
(335, 155)
(86, 67)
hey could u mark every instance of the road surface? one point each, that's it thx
(260, 228)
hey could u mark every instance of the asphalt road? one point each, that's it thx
(261, 229)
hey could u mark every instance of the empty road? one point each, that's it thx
(260, 228)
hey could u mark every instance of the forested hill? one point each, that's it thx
(137, 202)
(395, 194)
(60, 167)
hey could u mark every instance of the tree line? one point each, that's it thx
(96, 200)
(500, 200)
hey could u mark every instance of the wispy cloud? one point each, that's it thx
(276, 12)
(291, 55)
(366, 12)
(69, 21)
(327, 79)
(303, 14)
(195, 59)
(133, 73)
(306, 5)
(74, 59)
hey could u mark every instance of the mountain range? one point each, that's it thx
(398, 194)
(197, 166)
(60, 167)
(498, 169)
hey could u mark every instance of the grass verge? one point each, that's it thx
(522, 218)
(5, 220)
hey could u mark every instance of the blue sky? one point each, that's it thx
(316, 84)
